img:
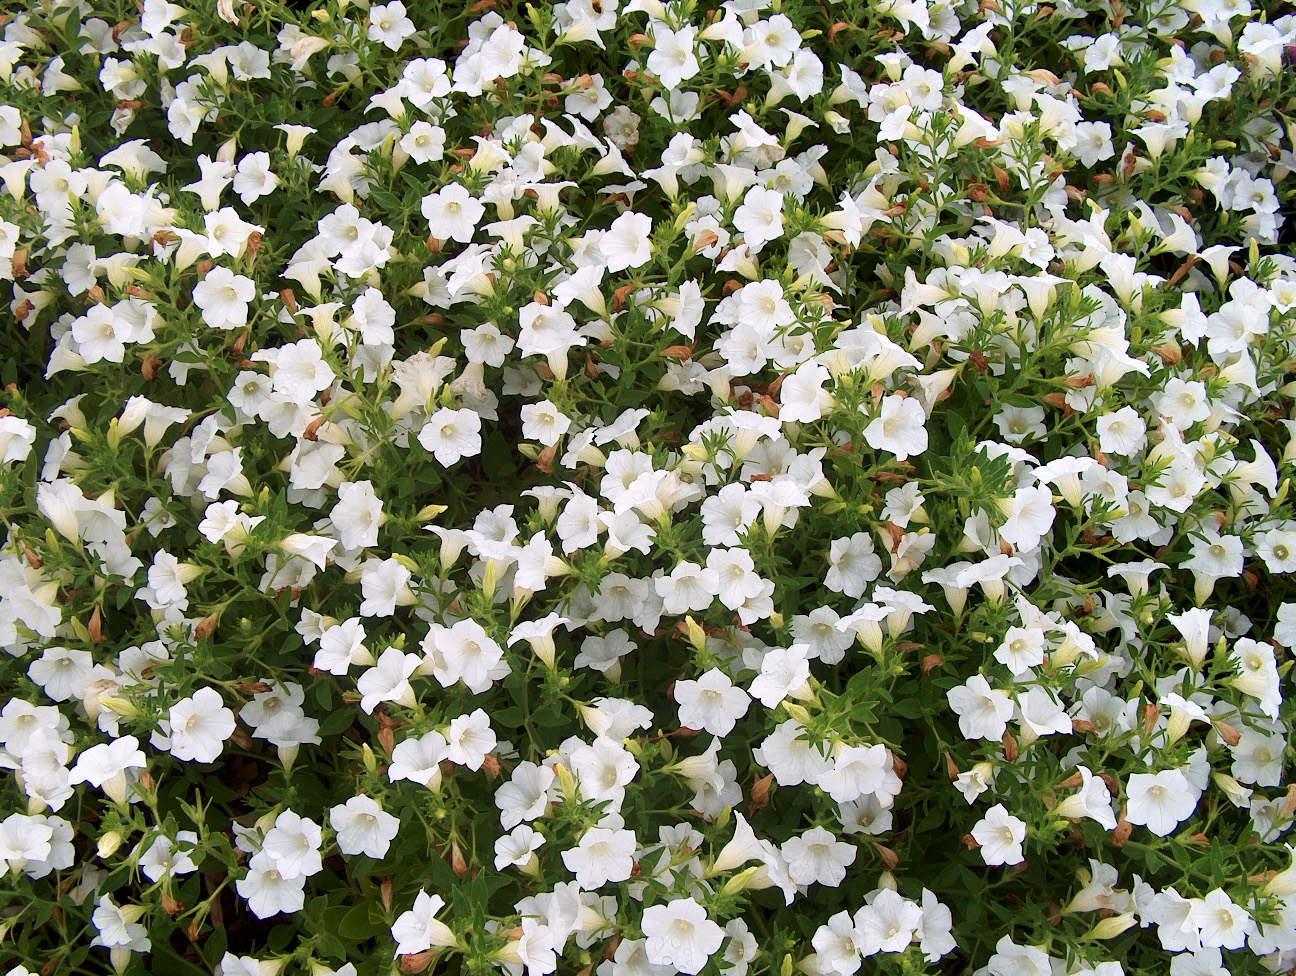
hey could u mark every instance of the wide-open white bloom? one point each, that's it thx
(899, 428)
(888, 923)
(200, 724)
(293, 844)
(853, 563)
(452, 435)
(760, 216)
(388, 24)
(680, 934)
(1031, 516)
(817, 857)
(983, 711)
(1000, 835)
(452, 213)
(470, 738)
(673, 60)
(363, 827)
(267, 891)
(24, 839)
(712, 703)
(1161, 801)
(837, 944)
(627, 243)
(603, 855)
(388, 680)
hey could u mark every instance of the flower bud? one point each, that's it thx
(741, 880)
(1111, 927)
(109, 843)
(1283, 884)
(1238, 794)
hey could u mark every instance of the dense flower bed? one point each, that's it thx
(626, 488)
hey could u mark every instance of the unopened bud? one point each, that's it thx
(109, 843)
(1109, 928)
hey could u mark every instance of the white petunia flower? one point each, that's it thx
(363, 827)
(452, 435)
(680, 934)
(200, 724)
(1000, 835)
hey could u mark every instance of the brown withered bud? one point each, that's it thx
(951, 769)
(889, 857)
(1010, 747)
(311, 433)
(1150, 715)
(241, 739)
(457, 863)
(546, 459)
(1122, 832)
(1071, 782)
(888, 477)
(206, 626)
(760, 794)
(931, 662)
(620, 295)
(609, 952)
(708, 238)
(95, 626)
(417, 962)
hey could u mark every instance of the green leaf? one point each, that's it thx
(357, 925)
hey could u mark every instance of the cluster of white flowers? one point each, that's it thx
(920, 492)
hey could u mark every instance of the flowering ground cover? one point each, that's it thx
(625, 488)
